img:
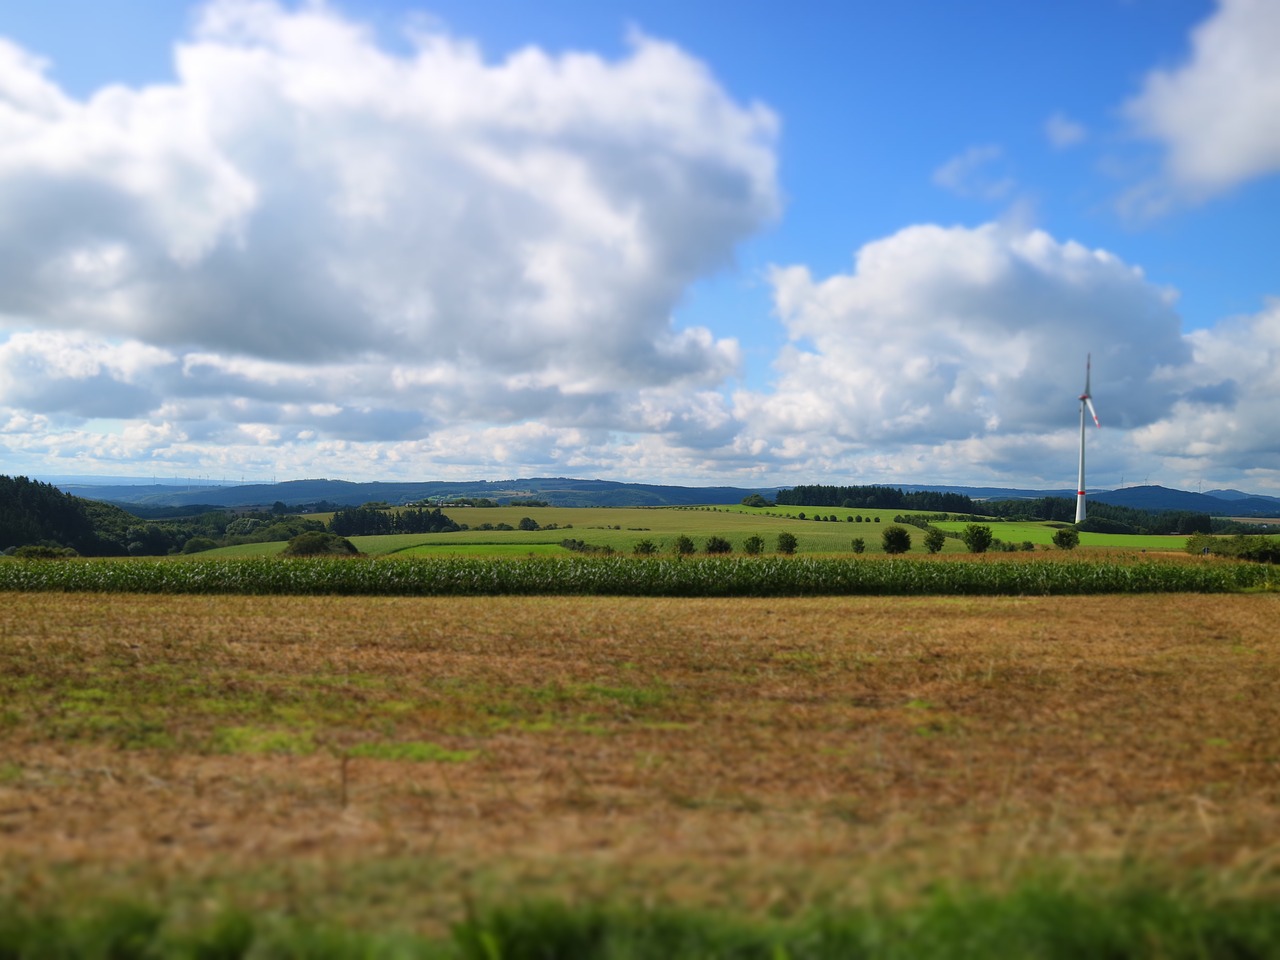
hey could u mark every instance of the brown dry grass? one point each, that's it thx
(747, 754)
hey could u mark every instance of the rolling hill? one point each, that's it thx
(568, 492)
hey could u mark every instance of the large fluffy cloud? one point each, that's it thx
(1216, 114)
(944, 333)
(1224, 421)
(304, 221)
(956, 354)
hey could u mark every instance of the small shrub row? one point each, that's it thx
(1241, 547)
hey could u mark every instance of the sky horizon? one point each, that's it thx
(696, 244)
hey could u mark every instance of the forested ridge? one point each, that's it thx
(39, 515)
(878, 497)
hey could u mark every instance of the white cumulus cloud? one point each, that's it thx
(304, 217)
(959, 351)
(1215, 115)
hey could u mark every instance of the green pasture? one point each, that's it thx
(621, 528)
(1041, 534)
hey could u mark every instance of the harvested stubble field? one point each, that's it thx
(382, 762)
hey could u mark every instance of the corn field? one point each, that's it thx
(628, 576)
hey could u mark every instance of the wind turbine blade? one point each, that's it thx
(1088, 365)
(1092, 411)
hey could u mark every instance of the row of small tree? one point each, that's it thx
(977, 537)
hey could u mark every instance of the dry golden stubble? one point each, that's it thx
(756, 752)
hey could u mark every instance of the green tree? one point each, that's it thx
(718, 545)
(787, 543)
(859, 545)
(895, 539)
(684, 545)
(528, 523)
(978, 537)
(645, 548)
(934, 539)
(1066, 539)
(755, 500)
(318, 542)
(754, 544)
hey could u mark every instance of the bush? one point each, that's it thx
(934, 539)
(645, 548)
(528, 523)
(787, 543)
(684, 545)
(859, 545)
(1243, 547)
(754, 544)
(1104, 525)
(581, 546)
(718, 545)
(318, 543)
(198, 545)
(895, 539)
(245, 526)
(40, 551)
(977, 538)
(1066, 539)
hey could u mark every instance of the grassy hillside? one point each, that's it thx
(621, 528)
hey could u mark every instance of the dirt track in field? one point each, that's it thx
(372, 757)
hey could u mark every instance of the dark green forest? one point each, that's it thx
(886, 498)
(1103, 517)
(366, 521)
(37, 516)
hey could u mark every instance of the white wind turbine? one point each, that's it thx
(1086, 400)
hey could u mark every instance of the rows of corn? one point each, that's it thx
(629, 576)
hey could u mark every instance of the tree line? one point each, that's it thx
(369, 521)
(39, 515)
(886, 498)
(1103, 517)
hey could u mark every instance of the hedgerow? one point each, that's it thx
(716, 576)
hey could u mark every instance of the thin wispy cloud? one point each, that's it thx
(980, 171)
(1063, 132)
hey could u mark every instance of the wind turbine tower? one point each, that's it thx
(1086, 400)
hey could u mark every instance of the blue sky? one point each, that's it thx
(694, 243)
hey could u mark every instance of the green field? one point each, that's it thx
(621, 528)
(1041, 534)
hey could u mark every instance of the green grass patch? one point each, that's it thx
(819, 530)
(264, 740)
(1041, 534)
(1034, 921)
(452, 549)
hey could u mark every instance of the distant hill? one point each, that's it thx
(1216, 503)
(557, 491)
(567, 492)
(1162, 498)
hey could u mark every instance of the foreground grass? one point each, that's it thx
(1042, 921)
(628, 576)
(755, 777)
